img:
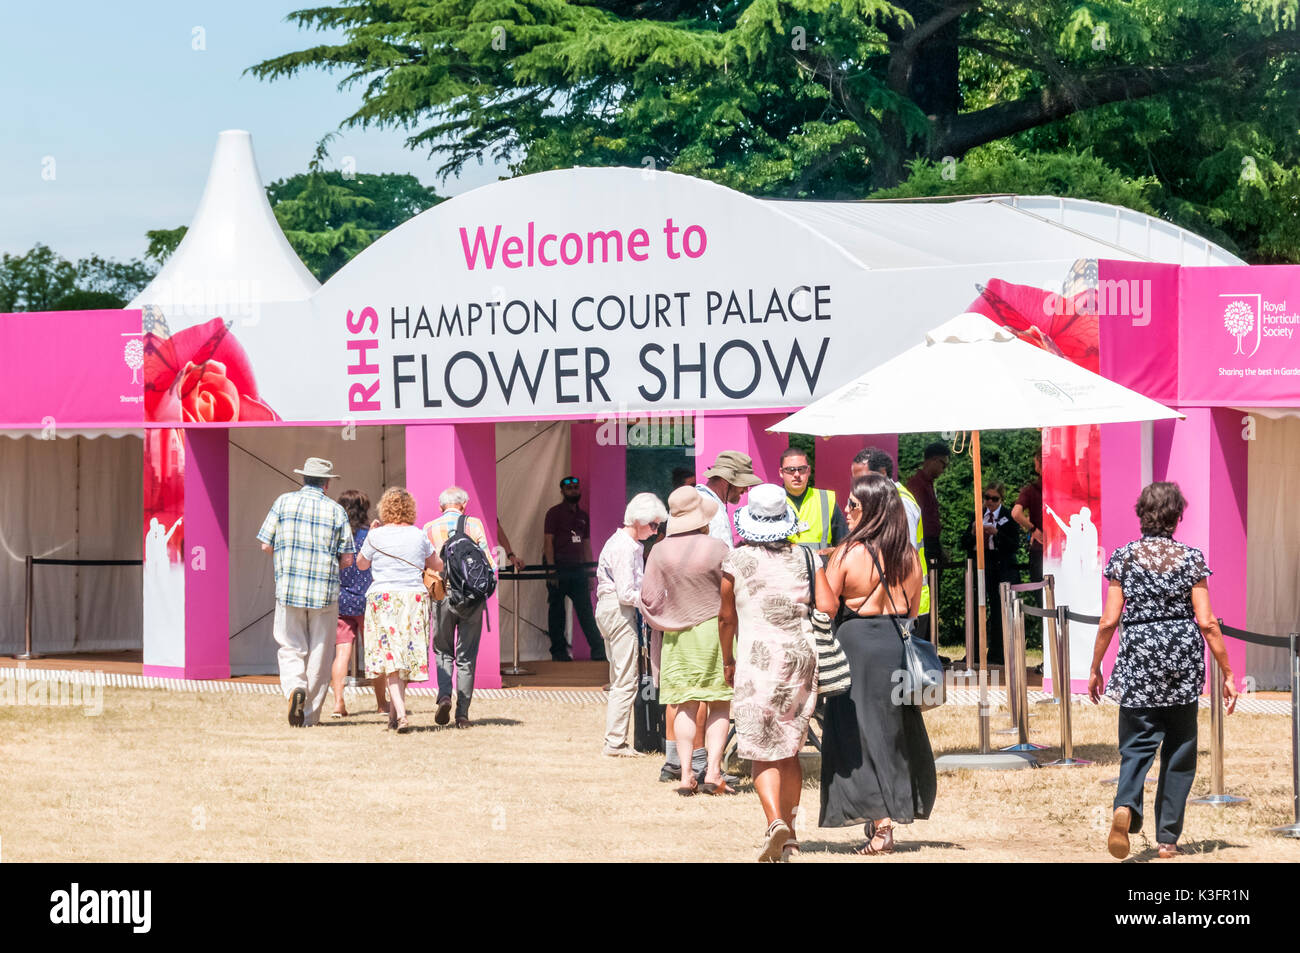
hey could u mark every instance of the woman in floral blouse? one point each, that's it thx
(1160, 586)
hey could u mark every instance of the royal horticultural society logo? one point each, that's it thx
(1250, 318)
(1239, 321)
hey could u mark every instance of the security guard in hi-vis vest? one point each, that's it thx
(821, 523)
(875, 460)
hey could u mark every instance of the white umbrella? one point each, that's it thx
(971, 374)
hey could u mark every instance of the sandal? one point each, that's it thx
(688, 790)
(721, 787)
(789, 850)
(778, 833)
(401, 726)
(886, 834)
(1168, 851)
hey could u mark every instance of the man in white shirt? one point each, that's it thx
(731, 475)
(875, 460)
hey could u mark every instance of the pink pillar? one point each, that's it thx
(1206, 456)
(207, 553)
(1122, 478)
(442, 455)
(602, 468)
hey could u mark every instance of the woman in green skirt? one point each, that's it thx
(681, 596)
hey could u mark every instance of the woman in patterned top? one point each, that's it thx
(1160, 586)
(769, 655)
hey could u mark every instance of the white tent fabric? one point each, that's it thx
(532, 456)
(262, 461)
(999, 229)
(982, 377)
(234, 257)
(71, 498)
(1272, 558)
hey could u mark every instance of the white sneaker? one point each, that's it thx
(622, 751)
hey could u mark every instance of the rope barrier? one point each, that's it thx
(41, 561)
(1255, 638)
(30, 563)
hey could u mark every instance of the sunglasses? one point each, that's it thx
(795, 471)
(569, 481)
(993, 496)
(854, 505)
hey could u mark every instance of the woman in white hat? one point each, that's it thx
(769, 654)
(681, 595)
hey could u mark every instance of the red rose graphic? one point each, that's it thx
(200, 375)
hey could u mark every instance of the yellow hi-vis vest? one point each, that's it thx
(924, 607)
(815, 518)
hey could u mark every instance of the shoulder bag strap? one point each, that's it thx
(391, 556)
(888, 595)
(812, 577)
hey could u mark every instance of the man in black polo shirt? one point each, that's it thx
(567, 546)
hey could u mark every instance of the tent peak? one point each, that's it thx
(234, 256)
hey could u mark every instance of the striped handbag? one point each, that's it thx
(832, 664)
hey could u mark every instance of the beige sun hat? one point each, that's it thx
(735, 467)
(317, 467)
(688, 510)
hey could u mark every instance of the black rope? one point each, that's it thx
(1255, 638)
(1051, 614)
(251, 624)
(41, 561)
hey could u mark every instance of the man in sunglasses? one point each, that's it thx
(1000, 537)
(567, 546)
(820, 521)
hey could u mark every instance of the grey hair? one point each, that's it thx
(452, 496)
(645, 508)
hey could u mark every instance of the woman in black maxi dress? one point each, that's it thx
(877, 764)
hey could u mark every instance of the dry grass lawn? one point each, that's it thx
(207, 777)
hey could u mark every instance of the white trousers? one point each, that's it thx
(617, 624)
(306, 653)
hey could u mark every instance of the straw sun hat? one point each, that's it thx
(688, 510)
(767, 517)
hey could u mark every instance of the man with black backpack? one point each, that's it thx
(469, 575)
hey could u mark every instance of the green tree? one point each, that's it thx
(41, 280)
(812, 99)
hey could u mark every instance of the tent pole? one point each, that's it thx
(980, 599)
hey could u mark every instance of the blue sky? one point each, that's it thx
(129, 111)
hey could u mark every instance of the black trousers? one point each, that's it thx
(1142, 731)
(571, 584)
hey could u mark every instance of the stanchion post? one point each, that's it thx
(1018, 687)
(515, 669)
(934, 604)
(27, 614)
(1061, 646)
(1293, 829)
(970, 615)
(1060, 667)
(1217, 797)
(1005, 596)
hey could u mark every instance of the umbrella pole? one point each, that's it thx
(981, 598)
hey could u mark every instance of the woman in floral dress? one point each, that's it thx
(1160, 586)
(769, 655)
(397, 605)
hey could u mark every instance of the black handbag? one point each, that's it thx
(833, 676)
(647, 713)
(919, 682)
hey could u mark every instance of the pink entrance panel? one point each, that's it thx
(442, 455)
(72, 369)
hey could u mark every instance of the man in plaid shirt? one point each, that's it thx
(312, 540)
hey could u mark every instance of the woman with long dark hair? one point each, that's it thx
(877, 766)
(353, 584)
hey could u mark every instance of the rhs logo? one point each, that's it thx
(1240, 318)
